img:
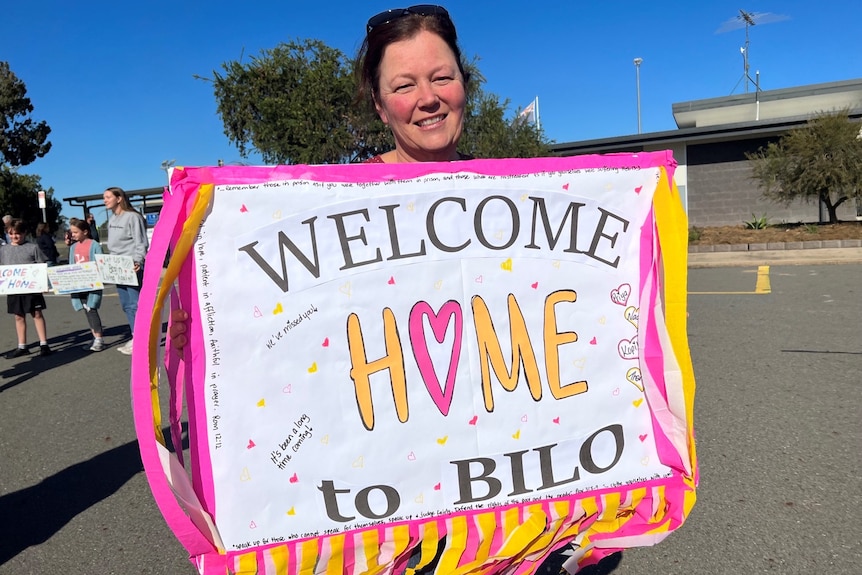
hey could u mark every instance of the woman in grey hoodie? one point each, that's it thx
(127, 236)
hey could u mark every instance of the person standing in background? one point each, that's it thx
(94, 228)
(127, 236)
(84, 249)
(7, 221)
(19, 252)
(45, 241)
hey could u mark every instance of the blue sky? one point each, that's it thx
(114, 80)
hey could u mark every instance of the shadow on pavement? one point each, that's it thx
(66, 348)
(33, 515)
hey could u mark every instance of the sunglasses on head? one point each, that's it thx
(396, 13)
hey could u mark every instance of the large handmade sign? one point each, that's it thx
(474, 363)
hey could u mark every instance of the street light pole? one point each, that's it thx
(638, 62)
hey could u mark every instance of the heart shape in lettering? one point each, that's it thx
(616, 391)
(473, 420)
(565, 186)
(478, 279)
(620, 295)
(556, 264)
(642, 437)
(294, 478)
(638, 189)
(359, 462)
(286, 389)
(628, 348)
(276, 215)
(250, 444)
(325, 439)
(633, 376)
(438, 284)
(411, 456)
(632, 314)
(243, 209)
(325, 342)
(411, 207)
(252, 525)
(593, 341)
(535, 285)
(245, 475)
(556, 420)
(524, 418)
(437, 487)
(391, 281)
(345, 289)
(257, 312)
(439, 322)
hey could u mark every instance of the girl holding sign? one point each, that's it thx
(84, 249)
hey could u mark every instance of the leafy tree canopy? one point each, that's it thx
(821, 161)
(18, 198)
(296, 104)
(22, 140)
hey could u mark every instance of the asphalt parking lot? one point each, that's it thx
(777, 418)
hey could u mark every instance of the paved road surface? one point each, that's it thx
(777, 420)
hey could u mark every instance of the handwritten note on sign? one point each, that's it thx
(386, 355)
(27, 278)
(117, 269)
(74, 278)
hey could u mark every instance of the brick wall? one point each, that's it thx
(721, 192)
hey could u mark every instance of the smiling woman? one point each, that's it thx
(410, 70)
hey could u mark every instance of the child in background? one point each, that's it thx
(17, 252)
(84, 249)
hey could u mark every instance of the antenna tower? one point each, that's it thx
(748, 19)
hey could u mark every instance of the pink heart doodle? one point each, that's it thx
(439, 322)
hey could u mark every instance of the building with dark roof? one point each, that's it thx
(713, 135)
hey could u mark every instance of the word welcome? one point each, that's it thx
(447, 213)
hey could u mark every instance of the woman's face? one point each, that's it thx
(421, 98)
(111, 201)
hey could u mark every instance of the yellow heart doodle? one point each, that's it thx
(507, 265)
(245, 475)
(517, 435)
(443, 440)
(345, 289)
(638, 402)
(325, 439)
(291, 511)
(313, 368)
(359, 462)
(261, 403)
(278, 309)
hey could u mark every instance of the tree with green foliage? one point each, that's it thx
(18, 198)
(818, 162)
(296, 104)
(22, 141)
